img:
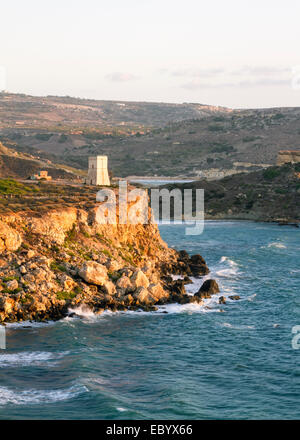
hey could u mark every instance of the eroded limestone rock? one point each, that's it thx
(94, 273)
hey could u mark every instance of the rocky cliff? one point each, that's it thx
(55, 261)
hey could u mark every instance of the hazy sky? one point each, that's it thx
(236, 53)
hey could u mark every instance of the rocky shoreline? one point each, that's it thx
(64, 259)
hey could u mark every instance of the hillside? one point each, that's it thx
(148, 139)
(15, 164)
(266, 195)
(17, 110)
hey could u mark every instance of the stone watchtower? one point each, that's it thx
(97, 172)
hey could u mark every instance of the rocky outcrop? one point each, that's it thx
(10, 239)
(208, 288)
(93, 273)
(288, 156)
(66, 258)
(139, 279)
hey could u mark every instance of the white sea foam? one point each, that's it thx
(207, 307)
(34, 358)
(29, 324)
(177, 277)
(121, 409)
(229, 261)
(276, 245)
(82, 311)
(194, 286)
(238, 327)
(226, 273)
(87, 315)
(33, 397)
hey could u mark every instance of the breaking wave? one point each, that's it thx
(276, 245)
(34, 397)
(25, 358)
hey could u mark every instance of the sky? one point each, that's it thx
(233, 53)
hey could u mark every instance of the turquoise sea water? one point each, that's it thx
(194, 362)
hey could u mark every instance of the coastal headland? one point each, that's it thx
(57, 256)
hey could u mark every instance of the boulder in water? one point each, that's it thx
(208, 288)
(234, 297)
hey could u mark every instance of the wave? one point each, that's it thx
(229, 261)
(82, 311)
(208, 306)
(238, 327)
(226, 273)
(9, 396)
(25, 358)
(29, 324)
(87, 314)
(276, 245)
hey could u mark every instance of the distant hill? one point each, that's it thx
(148, 139)
(24, 111)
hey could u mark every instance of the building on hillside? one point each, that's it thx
(42, 175)
(288, 156)
(97, 171)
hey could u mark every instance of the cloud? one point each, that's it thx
(265, 82)
(198, 84)
(121, 77)
(260, 82)
(244, 77)
(192, 72)
(261, 70)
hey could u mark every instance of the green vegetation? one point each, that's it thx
(6, 279)
(57, 267)
(222, 148)
(10, 186)
(278, 116)
(271, 173)
(71, 235)
(249, 139)
(43, 136)
(107, 253)
(26, 298)
(215, 127)
(64, 295)
(62, 138)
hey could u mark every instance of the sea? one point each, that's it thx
(239, 360)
